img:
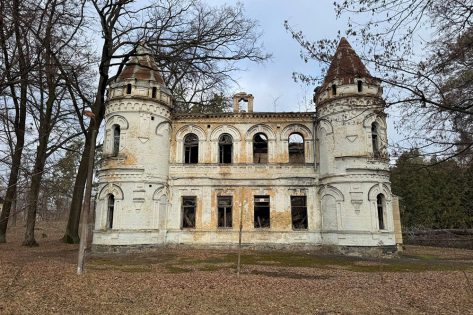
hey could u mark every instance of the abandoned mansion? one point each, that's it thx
(283, 178)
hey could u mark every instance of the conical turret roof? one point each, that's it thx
(346, 66)
(142, 66)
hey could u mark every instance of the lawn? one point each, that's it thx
(43, 280)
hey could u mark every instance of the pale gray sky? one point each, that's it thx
(271, 83)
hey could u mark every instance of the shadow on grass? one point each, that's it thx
(215, 261)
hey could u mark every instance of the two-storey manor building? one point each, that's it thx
(287, 178)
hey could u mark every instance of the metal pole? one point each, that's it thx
(239, 234)
(86, 205)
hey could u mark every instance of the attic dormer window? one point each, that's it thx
(153, 92)
(360, 86)
(334, 89)
(128, 88)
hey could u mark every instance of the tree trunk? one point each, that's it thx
(72, 229)
(33, 194)
(12, 182)
(14, 215)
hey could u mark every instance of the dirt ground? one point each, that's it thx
(43, 280)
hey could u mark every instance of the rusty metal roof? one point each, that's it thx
(142, 66)
(345, 66)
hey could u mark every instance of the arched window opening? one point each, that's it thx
(116, 140)
(191, 149)
(334, 89)
(110, 209)
(154, 92)
(380, 203)
(375, 140)
(260, 148)
(128, 88)
(360, 86)
(296, 148)
(225, 148)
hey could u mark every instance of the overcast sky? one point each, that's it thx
(271, 83)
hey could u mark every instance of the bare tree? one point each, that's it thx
(422, 51)
(17, 60)
(55, 32)
(121, 26)
(196, 47)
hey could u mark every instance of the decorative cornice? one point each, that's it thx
(242, 116)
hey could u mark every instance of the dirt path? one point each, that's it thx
(43, 280)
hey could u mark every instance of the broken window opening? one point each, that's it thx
(128, 88)
(191, 149)
(188, 212)
(116, 140)
(224, 214)
(334, 89)
(360, 86)
(262, 210)
(380, 202)
(375, 140)
(154, 92)
(110, 209)
(225, 148)
(260, 148)
(296, 148)
(299, 212)
(243, 105)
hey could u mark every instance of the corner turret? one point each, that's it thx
(347, 76)
(140, 78)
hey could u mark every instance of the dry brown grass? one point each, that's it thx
(43, 280)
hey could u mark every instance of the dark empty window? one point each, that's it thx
(299, 212)
(188, 212)
(224, 212)
(191, 149)
(260, 148)
(153, 92)
(360, 86)
(375, 139)
(225, 147)
(334, 89)
(296, 148)
(128, 88)
(110, 209)
(261, 218)
(380, 206)
(116, 139)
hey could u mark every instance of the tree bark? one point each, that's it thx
(20, 122)
(41, 154)
(72, 228)
(12, 184)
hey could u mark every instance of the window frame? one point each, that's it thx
(381, 211)
(110, 211)
(183, 211)
(254, 145)
(360, 86)
(301, 150)
(304, 207)
(189, 147)
(116, 130)
(225, 145)
(375, 139)
(268, 206)
(225, 208)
